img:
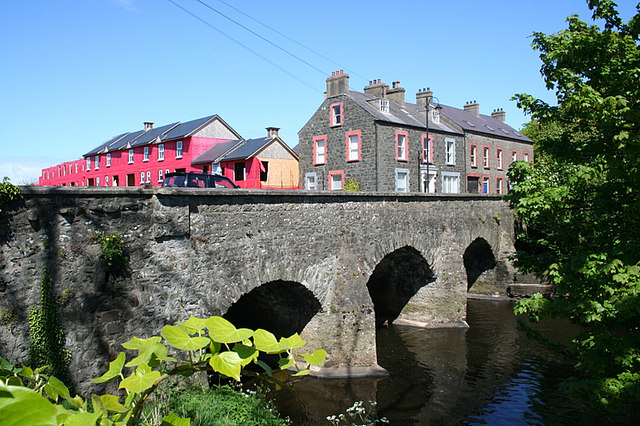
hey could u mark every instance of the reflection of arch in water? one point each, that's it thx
(281, 307)
(395, 280)
(479, 261)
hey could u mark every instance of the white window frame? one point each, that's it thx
(130, 156)
(526, 156)
(336, 184)
(474, 155)
(407, 174)
(160, 175)
(336, 114)
(161, 152)
(500, 155)
(311, 181)
(179, 149)
(96, 162)
(148, 177)
(319, 154)
(384, 105)
(446, 176)
(88, 163)
(106, 181)
(97, 181)
(354, 148)
(141, 178)
(486, 153)
(450, 151)
(108, 160)
(145, 156)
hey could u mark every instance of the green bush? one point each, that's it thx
(114, 250)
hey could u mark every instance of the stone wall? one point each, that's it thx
(196, 252)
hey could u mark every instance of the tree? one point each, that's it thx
(581, 202)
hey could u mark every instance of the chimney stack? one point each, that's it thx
(148, 125)
(396, 93)
(376, 89)
(423, 96)
(272, 132)
(499, 114)
(472, 107)
(337, 84)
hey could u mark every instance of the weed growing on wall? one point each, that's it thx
(114, 250)
(47, 347)
(8, 192)
(351, 184)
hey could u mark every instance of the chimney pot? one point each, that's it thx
(472, 107)
(148, 125)
(499, 114)
(337, 84)
(272, 132)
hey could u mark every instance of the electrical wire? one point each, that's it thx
(245, 46)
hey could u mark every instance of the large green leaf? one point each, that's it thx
(266, 342)
(115, 368)
(228, 363)
(293, 342)
(178, 337)
(195, 324)
(247, 353)
(146, 350)
(173, 419)
(82, 419)
(112, 403)
(141, 380)
(21, 406)
(316, 358)
(98, 406)
(223, 331)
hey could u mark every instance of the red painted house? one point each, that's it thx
(143, 157)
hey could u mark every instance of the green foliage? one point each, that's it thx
(8, 192)
(351, 184)
(8, 315)
(358, 414)
(114, 250)
(224, 405)
(47, 345)
(580, 203)
(210, 344)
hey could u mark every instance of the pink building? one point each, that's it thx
(143, 157)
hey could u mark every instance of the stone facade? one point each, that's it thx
(199, 251)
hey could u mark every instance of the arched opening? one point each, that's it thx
(395, 280)
(478, 258)
(281, 307)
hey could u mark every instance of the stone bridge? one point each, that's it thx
(329, 265)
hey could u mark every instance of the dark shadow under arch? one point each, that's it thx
(395, 280)
(281, 307)
(477, 259)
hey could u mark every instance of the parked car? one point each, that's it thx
(197, 180)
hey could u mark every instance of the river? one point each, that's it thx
(490, 373)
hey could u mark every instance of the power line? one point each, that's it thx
(291, 39)
(295, 77)
(324, 73)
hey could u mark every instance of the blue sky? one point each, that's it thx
(78, 72)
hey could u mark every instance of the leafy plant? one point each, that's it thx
(8, 192)
(200, 344)
(357, 414)
(47, 346)
(114, 250)
(351, 184)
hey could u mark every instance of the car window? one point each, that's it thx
(223, 183)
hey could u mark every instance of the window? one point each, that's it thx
(141, 178)
(427, 149)
(311, 181)
(88, 163)
(336, 178)
(353, 145)
(499, 158)
(450, 183)
(435, 115)
(473, 156)
(402, 180)
(239, 171)
(161, 152)
(160, 175)
(264, 171)
(450, 151)
(319, 150)
(335, 117)
(106, 181)
(108, 160)
(428, 183)
(179, 149)
(514, 156)
(146, 154)
(485, 185)
(485, 157)
(130, 156)
(499, 183)
(402, 153)
(97, 181)
(96, 163)
(76, 167)
(384, 105)
(148, 177)
(526, 157)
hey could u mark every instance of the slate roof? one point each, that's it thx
(234, 150)
(216, 152)
(164, 133)
(413, 115)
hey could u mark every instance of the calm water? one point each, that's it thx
(490, 373)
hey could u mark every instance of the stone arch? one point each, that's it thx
(395, 280)
(281, 307)
(479, 263)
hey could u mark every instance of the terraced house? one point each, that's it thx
(381, 141)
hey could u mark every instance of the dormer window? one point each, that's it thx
(384, 105)
(435, 115)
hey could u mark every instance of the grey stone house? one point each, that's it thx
(381, 141)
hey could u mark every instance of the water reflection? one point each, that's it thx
(490, 373)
